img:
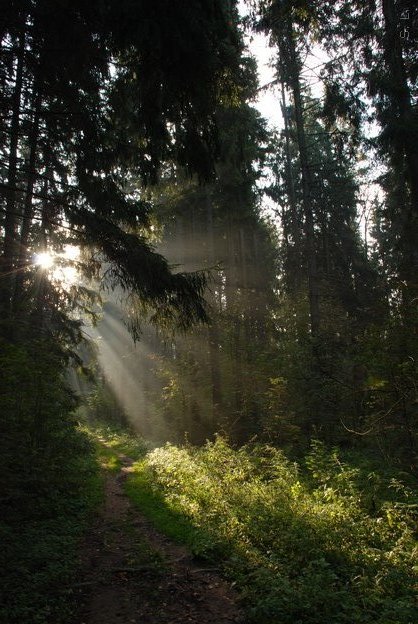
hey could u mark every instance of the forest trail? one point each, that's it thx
(134, 574)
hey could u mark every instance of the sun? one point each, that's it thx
(62, 266)
(45, 260)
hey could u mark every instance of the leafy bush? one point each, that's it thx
(302, 550)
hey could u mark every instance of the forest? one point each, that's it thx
(208, 317)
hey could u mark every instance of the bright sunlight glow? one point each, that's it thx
(45, 260)
(63, 264)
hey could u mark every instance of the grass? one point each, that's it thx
(112, 442)
(167, 518)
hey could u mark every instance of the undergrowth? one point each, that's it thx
(40, 533)
(303, 543)
(111, 442)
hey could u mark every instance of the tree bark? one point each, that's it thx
(213, 328)
(306, 187)
(10, 221)
(28, 207)
(215, 374)
(405, 145)
(295, 232)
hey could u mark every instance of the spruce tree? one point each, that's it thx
(96, 96)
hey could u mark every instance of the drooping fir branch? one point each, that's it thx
(133, 265)
(97, 128)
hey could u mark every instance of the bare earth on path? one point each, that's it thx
(134, 574)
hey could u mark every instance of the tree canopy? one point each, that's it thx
(95, 97)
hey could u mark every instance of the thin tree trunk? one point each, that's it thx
(294, 229)
(213, 328)
(215, 374)
(306, 189)
(40, 307)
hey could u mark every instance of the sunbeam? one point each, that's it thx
(129, 370)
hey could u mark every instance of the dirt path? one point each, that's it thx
(133, 574)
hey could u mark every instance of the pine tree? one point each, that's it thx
(94, 95)
(377, 63)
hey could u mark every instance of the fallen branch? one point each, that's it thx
(144, 568)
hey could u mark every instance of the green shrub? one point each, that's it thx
(301, 549)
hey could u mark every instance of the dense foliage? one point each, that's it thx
(304, 543)
(95, 97)
(49, 486)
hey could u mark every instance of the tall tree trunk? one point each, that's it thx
(290, 185)
(28, 206)
(215, 374)
(213, 328)
(41, 312)
(405, 145)
(10, 221)
(306, 187)
(400, 95)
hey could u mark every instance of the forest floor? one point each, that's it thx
(131, 573)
